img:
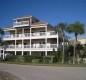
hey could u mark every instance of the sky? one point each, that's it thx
(51, 11)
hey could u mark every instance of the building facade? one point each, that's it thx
(30, 36)
(82, 40)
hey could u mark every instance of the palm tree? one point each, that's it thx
(76, 28)
(61, 27)
(1, 34)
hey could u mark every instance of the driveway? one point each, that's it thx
(27, 72)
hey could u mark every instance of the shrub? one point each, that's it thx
(47, 59)
(29, 58)
(10, 58)
(20, 58)
(35, 60)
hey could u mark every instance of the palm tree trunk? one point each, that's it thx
(63, 50)
(74, 49)
(74, 54)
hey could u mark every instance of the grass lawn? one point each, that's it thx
(42, 64)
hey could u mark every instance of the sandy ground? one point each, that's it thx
(27, 72)
(7, 76)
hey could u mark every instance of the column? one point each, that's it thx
(22, 41)
(15, 52)
(15, 41)
(57, 40)
(22, 53)
(46, 40)
(46, 53)
(22, 47)
(30, 40)
(3, 54)
(0, 52)
(22, 32)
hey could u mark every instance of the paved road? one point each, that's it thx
(27, 72)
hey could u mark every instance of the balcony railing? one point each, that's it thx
(28, 35)
(32, 46)
(22, 23)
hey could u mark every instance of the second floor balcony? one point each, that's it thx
(28, 35)
(31, 47)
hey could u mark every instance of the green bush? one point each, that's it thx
(27, 58)
(47, 60)
(10, 58)
(35, 60)
(20, 58)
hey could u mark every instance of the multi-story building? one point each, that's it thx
(29, 35)
(82, 40)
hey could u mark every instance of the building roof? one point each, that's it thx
(9, 26)
(21, 17)
(39, 22)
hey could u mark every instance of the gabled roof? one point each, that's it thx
(36, 22)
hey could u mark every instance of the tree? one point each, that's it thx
(70, 52)
(61, 27)
(1, 34)
(76, 28)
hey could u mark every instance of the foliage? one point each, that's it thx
(10, 58)
(57, 55)
(20, 58)
(1, 34)
(47, 59)
(61, 27)
(36, 61)
(76, 28)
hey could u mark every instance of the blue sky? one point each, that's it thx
(51, 11)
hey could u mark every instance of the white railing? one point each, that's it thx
(28, 35)
(10, 46)
(22, 23)
(32, 46)
(38, 34)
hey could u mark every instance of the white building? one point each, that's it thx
(29, 35)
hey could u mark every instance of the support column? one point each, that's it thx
(45, 53)
(22, 47)
(15, 41)
(15, 52)
(22, 41)
(30, 40)
(46, 41)
(3, 55)
(22, 53)
(0, 52)
(57, 40)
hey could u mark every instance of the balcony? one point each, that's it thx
(32, 35)
(21, 24)
(34, 46)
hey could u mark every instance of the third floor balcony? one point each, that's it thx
(20, 24)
